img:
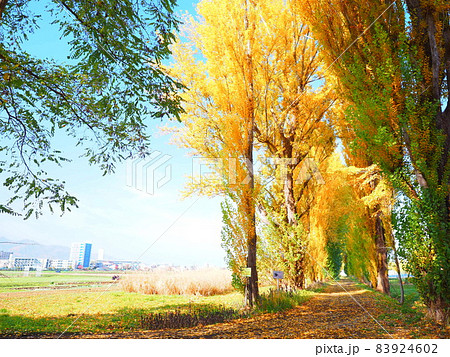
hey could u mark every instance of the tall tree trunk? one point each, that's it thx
(382, 283)
(252, 283)
(431, 30)
(298, 279)
(399, 272)
(289, 199)
(252, 291)
(382, 261)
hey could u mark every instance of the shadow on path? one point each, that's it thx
(342, 310)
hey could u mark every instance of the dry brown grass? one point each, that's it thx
(203, 282)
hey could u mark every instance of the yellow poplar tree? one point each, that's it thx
(293, 130)
(220, 104)
(259, 86)
(394, 75)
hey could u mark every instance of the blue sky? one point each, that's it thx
(119, 218)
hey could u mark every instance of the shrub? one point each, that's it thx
(276, 301)
(195, 315)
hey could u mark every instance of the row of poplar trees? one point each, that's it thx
(327, 129)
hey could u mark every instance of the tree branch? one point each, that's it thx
(2, 7)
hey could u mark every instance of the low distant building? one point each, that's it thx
(5, 259)
(29, 263)
(5, 255)
(117, 265)
(4, 264)
(61, 264)
(162, 267)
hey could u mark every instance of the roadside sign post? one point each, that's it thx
(278, 275)
(247, 273)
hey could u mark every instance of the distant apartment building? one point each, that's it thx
(61, 264)
(28, 263)
(80, 255)
(5, 259)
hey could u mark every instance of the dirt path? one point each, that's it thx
(334, 313)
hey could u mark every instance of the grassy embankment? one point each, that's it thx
(412, 311)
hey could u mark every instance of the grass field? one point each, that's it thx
(11, 280)
(93, 303)
(54, 302)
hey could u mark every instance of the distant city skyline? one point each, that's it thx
(79, 257)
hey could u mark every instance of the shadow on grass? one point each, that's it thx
(125, 319)
(23, 326)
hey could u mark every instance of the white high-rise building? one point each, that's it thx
(100, 254)
(80, 255)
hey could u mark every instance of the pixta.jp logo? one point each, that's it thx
(149, 173)
(210, 171)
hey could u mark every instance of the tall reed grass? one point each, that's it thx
(202, 282)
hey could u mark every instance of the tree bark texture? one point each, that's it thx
(252, 283)
(382, 260)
